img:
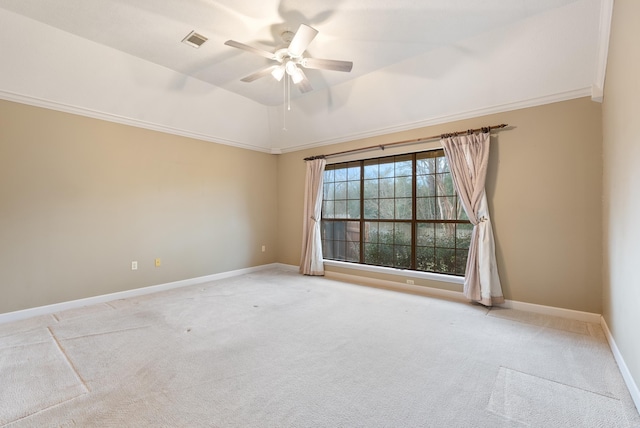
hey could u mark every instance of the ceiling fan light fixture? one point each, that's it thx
(296, 76)
(293, 71)
(291, 68)
(278, 73)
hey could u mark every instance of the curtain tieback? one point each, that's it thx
(482, 219)
(314, 219)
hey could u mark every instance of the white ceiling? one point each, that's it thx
(416, 62)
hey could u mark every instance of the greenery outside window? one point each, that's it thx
(398, 211)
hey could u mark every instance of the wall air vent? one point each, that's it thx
(194, 39)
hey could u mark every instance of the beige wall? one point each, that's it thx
(545, 193)
(621, 115)
(80, 199)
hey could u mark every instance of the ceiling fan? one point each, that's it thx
(290, 58)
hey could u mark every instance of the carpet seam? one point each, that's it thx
(42, 410)
(69, 362)
(106, 332)
(562, 383)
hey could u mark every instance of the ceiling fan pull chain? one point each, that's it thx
(284, 106)
(289, 92)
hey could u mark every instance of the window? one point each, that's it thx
(397, 211)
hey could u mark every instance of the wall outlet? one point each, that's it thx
(264, 248)
(134, 265)
(410, 282)
(158, 262)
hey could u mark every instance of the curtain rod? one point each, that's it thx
(416, 140)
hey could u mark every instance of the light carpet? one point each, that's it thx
(276, 349)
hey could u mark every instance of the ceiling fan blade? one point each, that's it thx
(301, 40)
(258, 74)
(304, 85)
(327, 64)
(251, 49)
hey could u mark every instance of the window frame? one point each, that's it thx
(459, 253)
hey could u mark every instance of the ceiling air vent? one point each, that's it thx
(194, 39)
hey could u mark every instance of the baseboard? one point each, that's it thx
(285, 266)
(73, 304)
(624, 370)
(456, 295)
(396, 286)
(571, 314)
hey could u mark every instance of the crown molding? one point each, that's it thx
(484, 111)
(109, 117)
(532, 102)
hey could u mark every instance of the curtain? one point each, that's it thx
(468, 156)
(311, 259)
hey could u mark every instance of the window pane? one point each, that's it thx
(425, 258)
(327, 209)
(353, 208)
(353, 190)
(403, 187)
(425, 165)
(441, 164)
(353, 241)
(402, 234)
(446, 208)
(403, 166)
(326, 230)
(353, 231)
(445, 260)
(462, 215)
(426, 208)
(385, 255)
(371, 169)
(403, 209)
(425, 235)
(370, 189)
(386, 170)
(328, 191)
(385, 230)
(353, 172)
(386, 188)
(445, 235)
(371, 232)
(444, 185)
(402, 257)
(463, 235)
(340, 174)
(341, 190)
(461, 261)
(340, 250)
(425, 185)
(353, 251)
(371, 209)
(339, 231)
(327, 249)
(340, 209)
(371, 254)
(329, 176)
(387, 209)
